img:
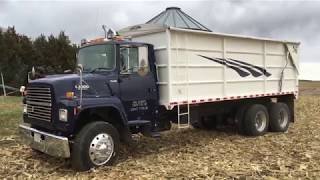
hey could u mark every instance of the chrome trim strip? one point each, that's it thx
(38, 99)
(39, 103)
(39, 118)
(40, 113)
(43, 133)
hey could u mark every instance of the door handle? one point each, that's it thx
(150, 90)
(110, 89)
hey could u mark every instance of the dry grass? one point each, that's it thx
(10, 115)
(309, 87)
(191, 153)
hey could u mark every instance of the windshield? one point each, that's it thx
(97, 58)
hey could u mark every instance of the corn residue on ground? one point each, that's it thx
(187, 153)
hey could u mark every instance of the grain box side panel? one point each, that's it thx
(241, 54)
(208, 66)
(195, 77)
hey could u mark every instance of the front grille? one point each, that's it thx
(39, 103)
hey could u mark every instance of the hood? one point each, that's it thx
(93, 84)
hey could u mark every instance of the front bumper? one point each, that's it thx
(53, 145)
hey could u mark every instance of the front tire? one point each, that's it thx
(256, 120)
(95, 145)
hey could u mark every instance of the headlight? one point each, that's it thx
(63, 115)
(25, 108)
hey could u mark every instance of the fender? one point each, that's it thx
(113, 101)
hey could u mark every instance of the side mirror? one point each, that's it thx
(31, 74)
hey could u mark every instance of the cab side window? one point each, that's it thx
(134, 59)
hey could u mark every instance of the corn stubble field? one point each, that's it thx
(187, 153)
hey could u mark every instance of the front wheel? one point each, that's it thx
(95, 145)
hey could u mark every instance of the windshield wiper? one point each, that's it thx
(99, 68)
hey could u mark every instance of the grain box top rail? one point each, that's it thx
(144, 29)
(233, 35)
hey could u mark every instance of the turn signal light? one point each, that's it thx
(69, 95)
(97, 40)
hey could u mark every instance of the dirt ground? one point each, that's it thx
(191, 154)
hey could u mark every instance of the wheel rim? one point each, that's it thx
(283, 118)
(101, 149)
(261, 121)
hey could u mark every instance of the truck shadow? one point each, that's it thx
(173, 140)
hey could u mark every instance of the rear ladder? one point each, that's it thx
(183, 108)
(182, 114)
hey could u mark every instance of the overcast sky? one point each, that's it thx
(290, 20)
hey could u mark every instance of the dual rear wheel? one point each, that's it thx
(257, 119)
(280, 117)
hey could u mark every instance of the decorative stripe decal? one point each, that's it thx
(237, 66)
(238, 70)
(264, 71)
(253, 72)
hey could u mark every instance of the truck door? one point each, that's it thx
(137, 83)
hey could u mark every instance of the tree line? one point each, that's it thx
(48, 54)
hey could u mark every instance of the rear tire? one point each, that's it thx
(280, 117)
(95, 145)
(205, 123)
(256, 120)
(239, 118)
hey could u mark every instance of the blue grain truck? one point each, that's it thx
(163, 74)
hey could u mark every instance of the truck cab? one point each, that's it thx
(86, 114)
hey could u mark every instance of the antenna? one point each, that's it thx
(80, 70)
(105, 30)
(3, 86)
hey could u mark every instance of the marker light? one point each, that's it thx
(97, 40)
(118, 38)
(70, 95)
